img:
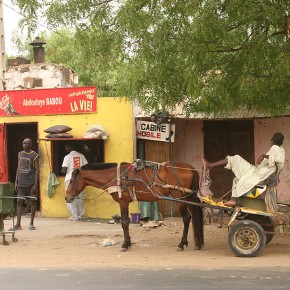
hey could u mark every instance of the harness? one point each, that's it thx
(151, 183)
(119, 188)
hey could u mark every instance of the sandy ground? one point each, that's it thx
(61, 243)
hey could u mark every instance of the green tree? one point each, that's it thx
(82, 51)
(207, 55)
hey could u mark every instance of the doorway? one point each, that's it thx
(15, 134)
(222, 138)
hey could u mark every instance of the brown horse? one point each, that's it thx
(144, 181)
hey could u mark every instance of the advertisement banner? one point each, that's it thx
(76, 100)
(156, 132)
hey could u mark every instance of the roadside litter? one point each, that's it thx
(151, 224)
(107, 242)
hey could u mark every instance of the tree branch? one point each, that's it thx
(103, 2)
(277, 33)
(227, 49)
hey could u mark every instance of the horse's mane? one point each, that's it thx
(98, 166)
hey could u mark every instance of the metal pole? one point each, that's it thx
(2, 47)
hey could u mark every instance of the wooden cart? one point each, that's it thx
(250, 226)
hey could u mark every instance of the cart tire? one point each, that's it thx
(246, 238)
(266, 223)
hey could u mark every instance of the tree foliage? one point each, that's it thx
(206, 55)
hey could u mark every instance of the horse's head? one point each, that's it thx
(72, 191)
(97, 175)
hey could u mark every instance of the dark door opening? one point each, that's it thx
(222, 138)
(157, 152)
(15, 134)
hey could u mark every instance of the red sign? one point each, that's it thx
(76, 162)
(75, 100)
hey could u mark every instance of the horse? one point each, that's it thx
(145, 181)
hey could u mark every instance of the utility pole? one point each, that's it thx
(2, 47)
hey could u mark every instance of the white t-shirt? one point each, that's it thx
(72, 161)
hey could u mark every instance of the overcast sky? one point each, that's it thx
(11, 19)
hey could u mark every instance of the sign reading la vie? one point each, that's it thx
(153, 131)
(73, 100)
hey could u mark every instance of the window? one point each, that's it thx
(92, 149)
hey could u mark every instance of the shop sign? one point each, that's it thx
(156, 132)
(76, 100)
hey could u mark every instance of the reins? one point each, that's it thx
(157, 185)
(150, 184)
(101, 188)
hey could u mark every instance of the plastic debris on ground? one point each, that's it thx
(151, 224)
(107, 242)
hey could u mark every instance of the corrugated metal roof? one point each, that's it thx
(241, 113)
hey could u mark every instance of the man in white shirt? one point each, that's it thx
(72, 161)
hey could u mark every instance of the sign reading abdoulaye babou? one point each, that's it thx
(76, 100)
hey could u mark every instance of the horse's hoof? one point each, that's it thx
(197, 248)
(124, 249)
(178, 249)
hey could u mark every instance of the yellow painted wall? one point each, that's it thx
(115, 116)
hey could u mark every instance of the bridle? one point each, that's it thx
(75, 173)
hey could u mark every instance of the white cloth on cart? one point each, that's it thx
(248, 175)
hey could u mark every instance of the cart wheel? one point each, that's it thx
(246, 238)
(266, 223)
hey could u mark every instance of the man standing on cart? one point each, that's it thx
(26, 182)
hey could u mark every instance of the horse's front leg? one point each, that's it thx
(125, 220)
(186, 217)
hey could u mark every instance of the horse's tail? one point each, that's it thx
(197, 214)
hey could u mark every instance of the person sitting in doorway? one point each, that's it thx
(247, 175)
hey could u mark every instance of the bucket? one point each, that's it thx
(135, 218)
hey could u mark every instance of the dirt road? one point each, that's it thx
(61, 243)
